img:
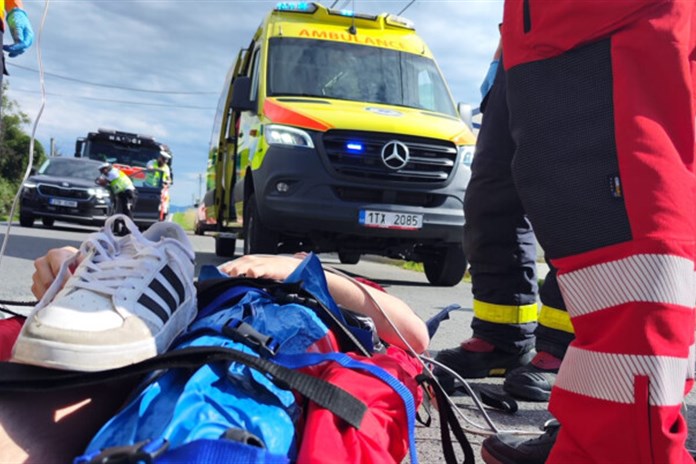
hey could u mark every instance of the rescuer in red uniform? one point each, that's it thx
(602, 113)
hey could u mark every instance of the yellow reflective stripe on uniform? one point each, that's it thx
(555, 318)
(613, 376)
(505, 314)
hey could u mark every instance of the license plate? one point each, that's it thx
(390, 220)
(59, 202)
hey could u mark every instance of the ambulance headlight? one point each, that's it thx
(466, 154)
(285, 135)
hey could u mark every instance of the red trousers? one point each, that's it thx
(602, 113)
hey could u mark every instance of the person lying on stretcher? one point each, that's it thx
(55, 428)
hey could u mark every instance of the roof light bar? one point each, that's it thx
(296, 7)
(400, 21)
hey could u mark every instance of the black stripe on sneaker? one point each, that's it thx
(153, 306)
(175, 281)
(162, 292)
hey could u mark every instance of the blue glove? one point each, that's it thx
(21, 31)
(490, 77)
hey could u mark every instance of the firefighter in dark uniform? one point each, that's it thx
(501, 249)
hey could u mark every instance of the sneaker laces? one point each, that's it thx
(113, 262)
(106, 272)
(105, 267)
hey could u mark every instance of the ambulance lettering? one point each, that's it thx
(345, 37)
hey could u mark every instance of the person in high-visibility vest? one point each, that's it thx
(122, 188)
(158, 173)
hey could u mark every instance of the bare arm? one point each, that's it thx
(46, 268)
(350, 294)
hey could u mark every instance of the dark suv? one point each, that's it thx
(64, 189)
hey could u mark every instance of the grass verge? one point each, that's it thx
(185, 219)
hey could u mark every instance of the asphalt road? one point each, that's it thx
(26, 244)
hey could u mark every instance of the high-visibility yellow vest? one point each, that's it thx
(157, 174)
(121, 183)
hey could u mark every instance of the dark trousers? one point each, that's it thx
(498, 238)
(124, 203)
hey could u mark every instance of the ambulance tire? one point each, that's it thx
(257, 238)
(349, 257)
(225, 247)
(198, 228)
(445, 268)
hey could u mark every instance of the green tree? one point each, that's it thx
(14, 150)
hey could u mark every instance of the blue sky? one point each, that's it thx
(123, 64)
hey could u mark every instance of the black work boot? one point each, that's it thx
(475, 359)
(534, 381)
(509, 448)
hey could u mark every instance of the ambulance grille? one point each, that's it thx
(429, 160)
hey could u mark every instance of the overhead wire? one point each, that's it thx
(406, 7)
(114, 86)
(112, 100)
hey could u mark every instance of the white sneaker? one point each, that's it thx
(126, 301)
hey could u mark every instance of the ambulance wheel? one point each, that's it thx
(348, 257)
(198, 229)
(445, 268)
(257, 238)
(47, 222)
(225, 247)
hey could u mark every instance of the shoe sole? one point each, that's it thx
(528, 393)
(490, 458)
(92, 358)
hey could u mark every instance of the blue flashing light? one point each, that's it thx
(349, 13)
(301, 7)
(354, 147)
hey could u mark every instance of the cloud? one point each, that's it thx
(176, 45)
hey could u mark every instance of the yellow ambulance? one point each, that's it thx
(336, 132)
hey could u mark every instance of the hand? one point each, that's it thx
(259, 266)
(47, 267)
(21, 31)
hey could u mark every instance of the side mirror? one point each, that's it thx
(78, 147)
(466, 114)
(241, 99)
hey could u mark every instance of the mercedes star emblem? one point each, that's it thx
(395, 155)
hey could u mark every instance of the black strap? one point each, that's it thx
(494, 399)
(20, 377)
(448, 422)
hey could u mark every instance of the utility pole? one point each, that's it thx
(200, 187)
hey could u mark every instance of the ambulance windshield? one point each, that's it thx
(346, 71)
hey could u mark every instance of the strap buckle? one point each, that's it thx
(145, 452)
(243, 333)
